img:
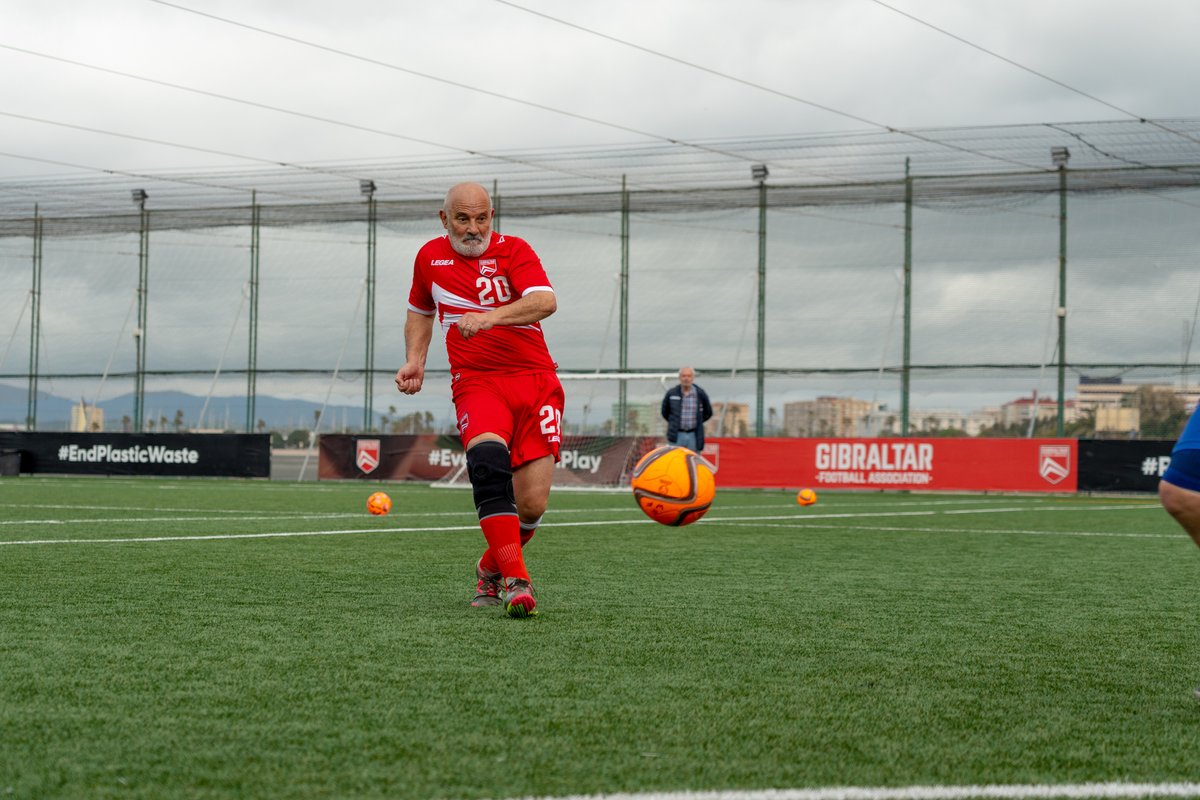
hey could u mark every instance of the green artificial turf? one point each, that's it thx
(230, 639)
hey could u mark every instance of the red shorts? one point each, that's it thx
(526, 410)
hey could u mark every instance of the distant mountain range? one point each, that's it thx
(225, 413)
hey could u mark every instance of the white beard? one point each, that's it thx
(469, 249)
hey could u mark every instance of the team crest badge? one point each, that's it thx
(1054, 462)
(487, 267)
(366, 455)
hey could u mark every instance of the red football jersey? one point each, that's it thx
(450, 285)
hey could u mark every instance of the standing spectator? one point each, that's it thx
(685, 407)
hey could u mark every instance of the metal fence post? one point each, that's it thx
(139, 332)
(368, 188)
(35, 322)
(252, 333)
(759, 172)
(623, 356)
(906, 368)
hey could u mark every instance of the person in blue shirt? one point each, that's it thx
(686, 408)
(1179, 489)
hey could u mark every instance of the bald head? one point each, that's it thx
(466, 215)
(472, 193)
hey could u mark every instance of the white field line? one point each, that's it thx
(622, 507)
(335, 515)
(284, 515)
(1014, 531)
(801, 517)
(797, 521)
(173, 519)
(984, 792)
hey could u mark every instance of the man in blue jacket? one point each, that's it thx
(686, 408)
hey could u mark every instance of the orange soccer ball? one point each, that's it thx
(806, 497)
(673, 485)
(379, 504)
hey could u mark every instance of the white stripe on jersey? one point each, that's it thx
(462, 306)
(444, 298)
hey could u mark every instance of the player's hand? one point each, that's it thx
(410, 378)
(472, 323)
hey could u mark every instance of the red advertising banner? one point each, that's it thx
(995, 465)
(981, 465)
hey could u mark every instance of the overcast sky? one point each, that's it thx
(146, 85)
(442, 79)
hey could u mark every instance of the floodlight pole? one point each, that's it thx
(35, 321)
(252, 335)
(759, 172)
(368, 189)
(139, 333)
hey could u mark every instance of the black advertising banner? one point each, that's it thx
(387, 457)
(1122, 465)
(584, 460)
(238, 455)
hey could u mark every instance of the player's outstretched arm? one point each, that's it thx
(533, 307)
(418, 332)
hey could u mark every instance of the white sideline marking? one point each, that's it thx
(910, 529)
(84, 521)
(988, 792)
(219, 536)
(797, 520)
(98, 521)
(793, 512)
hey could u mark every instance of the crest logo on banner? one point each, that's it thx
(1054, 462)
(366, 454)
(487, 267)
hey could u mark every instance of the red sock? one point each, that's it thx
(503, 534)
(488, 561)
(528, 529)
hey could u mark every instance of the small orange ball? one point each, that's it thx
(379, 504)
(806, 497)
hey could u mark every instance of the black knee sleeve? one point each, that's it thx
(490, 471)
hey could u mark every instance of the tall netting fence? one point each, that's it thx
(917, 299)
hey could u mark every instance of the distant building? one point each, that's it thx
(86, 418)
(1021, 410)
(1116, 420)
(971, 423)
(729, 419)
(1095, 393)
(827, 416)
